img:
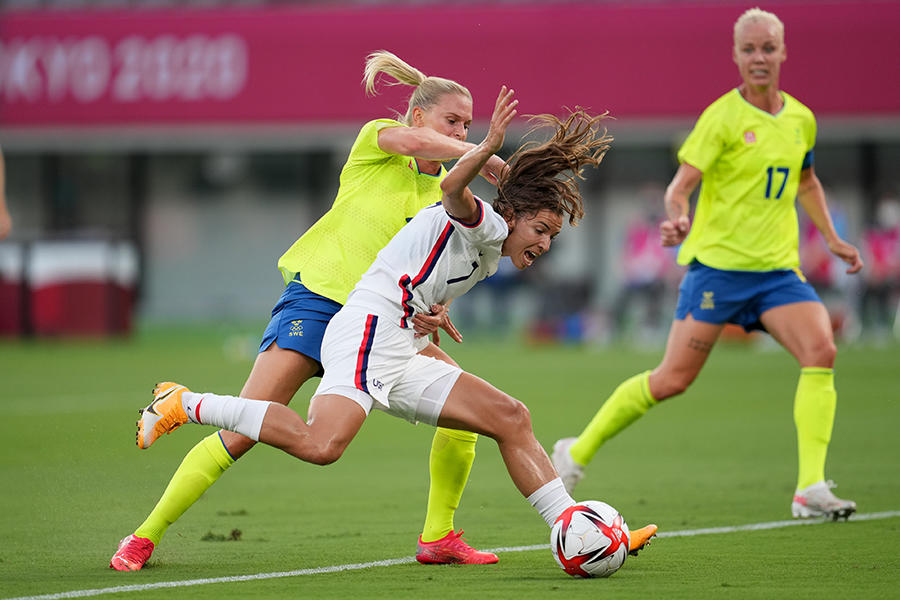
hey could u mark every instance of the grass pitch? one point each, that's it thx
(722, 455)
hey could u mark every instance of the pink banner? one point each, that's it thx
(302, 65)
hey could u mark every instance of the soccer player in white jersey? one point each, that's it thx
(394, 169)
(369, 351)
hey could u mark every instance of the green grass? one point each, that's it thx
(723, 455)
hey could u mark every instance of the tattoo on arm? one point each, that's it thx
(700, 345)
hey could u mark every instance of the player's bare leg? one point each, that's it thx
(804, 329)
(687, 348)
(332, 423)
(277, 374)
(476, 405)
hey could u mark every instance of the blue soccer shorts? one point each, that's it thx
(739, 297)
(299, 320)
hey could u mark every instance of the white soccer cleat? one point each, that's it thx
(816, 500)
(568, 470)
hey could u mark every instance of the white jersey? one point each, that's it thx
(431, 260)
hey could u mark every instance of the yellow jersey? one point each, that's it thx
(746, 218)
(378, 194)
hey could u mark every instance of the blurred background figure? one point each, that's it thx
(880, 306)
(649, 273)
(5, 219)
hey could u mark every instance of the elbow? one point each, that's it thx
(452, 188)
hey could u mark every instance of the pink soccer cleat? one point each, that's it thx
(452, 549)
(133, 552)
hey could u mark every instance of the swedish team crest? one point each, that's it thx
(296, 328)
(707, 303)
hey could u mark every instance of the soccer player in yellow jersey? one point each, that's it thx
(394, 169)
(753, 150)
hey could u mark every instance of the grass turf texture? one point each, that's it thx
(722, 455)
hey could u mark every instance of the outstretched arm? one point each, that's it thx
(811, 196)
(421, 142)
(427, 144)
(458, 199)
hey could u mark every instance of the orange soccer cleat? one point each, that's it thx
(164, 415)
(640, 538)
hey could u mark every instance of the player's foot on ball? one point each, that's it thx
(452, 549)
(133, 552)
(640, 538)
(816, 500)
(568, 470)
(164, 415)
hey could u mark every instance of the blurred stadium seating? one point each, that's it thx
(209, 133)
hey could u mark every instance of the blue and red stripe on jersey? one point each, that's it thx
(362, 358)
(479, 216)
(407, 285)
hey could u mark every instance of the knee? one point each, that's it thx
(820, 354)
(318, 447)
(664, 384)
(325, 453)
(512, 418)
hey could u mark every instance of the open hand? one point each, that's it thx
(504, 111)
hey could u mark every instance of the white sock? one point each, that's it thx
(240, 415)
(550, 500)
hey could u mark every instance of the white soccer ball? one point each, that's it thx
(590, 539)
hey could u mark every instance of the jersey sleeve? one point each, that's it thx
(487, 228)
(705, 143)
(810, 131)
(366, 148)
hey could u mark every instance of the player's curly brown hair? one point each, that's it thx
(543, 175)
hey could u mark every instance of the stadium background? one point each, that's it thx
(161, 155)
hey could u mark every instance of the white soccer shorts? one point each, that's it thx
(376, 364)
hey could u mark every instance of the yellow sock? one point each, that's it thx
(628, 402)
(814, 407)
(452, 454)
(200, 468)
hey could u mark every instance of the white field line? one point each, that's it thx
(410, 559)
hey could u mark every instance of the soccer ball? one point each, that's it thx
(590, 539)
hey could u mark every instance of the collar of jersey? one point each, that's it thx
(414, 164)
(748, 103)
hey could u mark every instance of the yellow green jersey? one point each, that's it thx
(378, 194)
(746, 218)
